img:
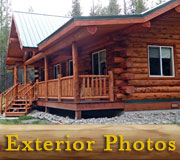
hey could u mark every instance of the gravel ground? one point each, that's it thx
(135, 117)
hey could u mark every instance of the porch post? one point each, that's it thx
(15, 82)
(25, 74)
(15, 75)
(76, 90)
(46, 76)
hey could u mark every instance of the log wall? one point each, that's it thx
(135, 80)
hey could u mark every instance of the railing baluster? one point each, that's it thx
(104, 87)
(84, 85)
(100, 86)
(88, 89)
(96, 86)
(92, 86)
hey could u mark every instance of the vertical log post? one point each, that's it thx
(111, 86)
(59, 88)
(46, 77)
(37, 89)
(76, 90)
(15, 81)
(78, 115)
(25, 74)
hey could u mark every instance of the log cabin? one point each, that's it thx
(128, 62)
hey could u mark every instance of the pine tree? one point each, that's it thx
(138, 5)
(113, 8)
(6, 78)
(76, 9)
(98, 10)
(160, 1)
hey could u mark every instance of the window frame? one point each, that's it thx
(99, 66)
(56, 65)
(161, 67)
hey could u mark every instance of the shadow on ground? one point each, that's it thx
(85, 114)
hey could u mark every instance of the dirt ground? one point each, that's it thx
(88, 133)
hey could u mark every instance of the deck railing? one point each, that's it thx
(94, 86)
(91, 87)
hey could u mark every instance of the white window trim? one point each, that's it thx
(173, 70)
(69, 66)
(98, 60)
(56, 68)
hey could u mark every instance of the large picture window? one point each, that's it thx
(161, 61)
(99, 63)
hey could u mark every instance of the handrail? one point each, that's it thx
(11, 89)
(24, 88)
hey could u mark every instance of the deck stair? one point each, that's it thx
(18, 100)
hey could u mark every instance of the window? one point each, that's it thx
(161, 62)
(99, 63)
(42, 75)
(56, 71)
(70, 67)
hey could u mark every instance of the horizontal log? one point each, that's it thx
(138, 60)
(128, 89)
(138, 70)
(118, 70)
(157, 89)
(120, 96)
(127, 76)
(120, 83)
(154, 82)
(119, 60)
(138, 65)
(35, 58)
(13, 40)
(122, 53)
(143, 96)
(19, 59)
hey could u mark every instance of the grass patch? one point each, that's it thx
(25, 118)
(10, 121)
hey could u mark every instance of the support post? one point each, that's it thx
(15, 82)
(15, 75)
(25, 74)
(111, 86)
(76, 90)
(37, 89)
(78, 115)
(59, 88)
(46, 110)
(46, 77)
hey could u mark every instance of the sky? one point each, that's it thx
(58, 7)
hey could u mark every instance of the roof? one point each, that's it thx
(119, 17)
(33, 28)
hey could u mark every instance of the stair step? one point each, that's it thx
(14, 114)
(18, 108)
(20, 104)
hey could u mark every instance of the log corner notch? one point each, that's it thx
(146, 24)
(177, 9)
(92, 29)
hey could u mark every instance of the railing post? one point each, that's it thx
(59, 87)
(111, 86)
(37, 89)
(46, 77)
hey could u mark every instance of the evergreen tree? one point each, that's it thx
(138, 6)
(98, 10)
(160, 1)
(6, 78)
(76, 9)
(113, 8)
